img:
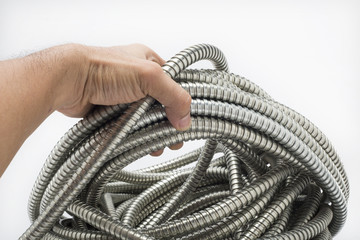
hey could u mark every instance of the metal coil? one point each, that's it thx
(278, 177)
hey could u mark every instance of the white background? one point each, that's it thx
(306, 54)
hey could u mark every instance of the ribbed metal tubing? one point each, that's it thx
(269, 183)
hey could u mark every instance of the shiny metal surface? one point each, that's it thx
(278, 177)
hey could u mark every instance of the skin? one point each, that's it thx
(74, 78)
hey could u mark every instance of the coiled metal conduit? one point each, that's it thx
(278, 176)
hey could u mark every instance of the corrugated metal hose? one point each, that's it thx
(274, 176)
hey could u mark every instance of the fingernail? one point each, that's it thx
(184, 123)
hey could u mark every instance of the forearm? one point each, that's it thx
(29, 93)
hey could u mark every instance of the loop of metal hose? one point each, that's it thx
(279, 175)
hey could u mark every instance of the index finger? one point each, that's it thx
(169, 93)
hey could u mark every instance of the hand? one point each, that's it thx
(72, 79)
(123, 74)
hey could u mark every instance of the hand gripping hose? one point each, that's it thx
(277, 176)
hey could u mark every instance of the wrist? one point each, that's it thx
(70, 76)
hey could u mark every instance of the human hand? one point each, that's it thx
(121, 74)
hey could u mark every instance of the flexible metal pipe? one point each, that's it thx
(278, 177)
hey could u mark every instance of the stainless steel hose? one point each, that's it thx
(278, 176)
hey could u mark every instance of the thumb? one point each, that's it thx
(176, 100)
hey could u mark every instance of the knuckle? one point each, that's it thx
(186, 99)
(138, 45)
(148, 75)
(150, 70)
(142, 47)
